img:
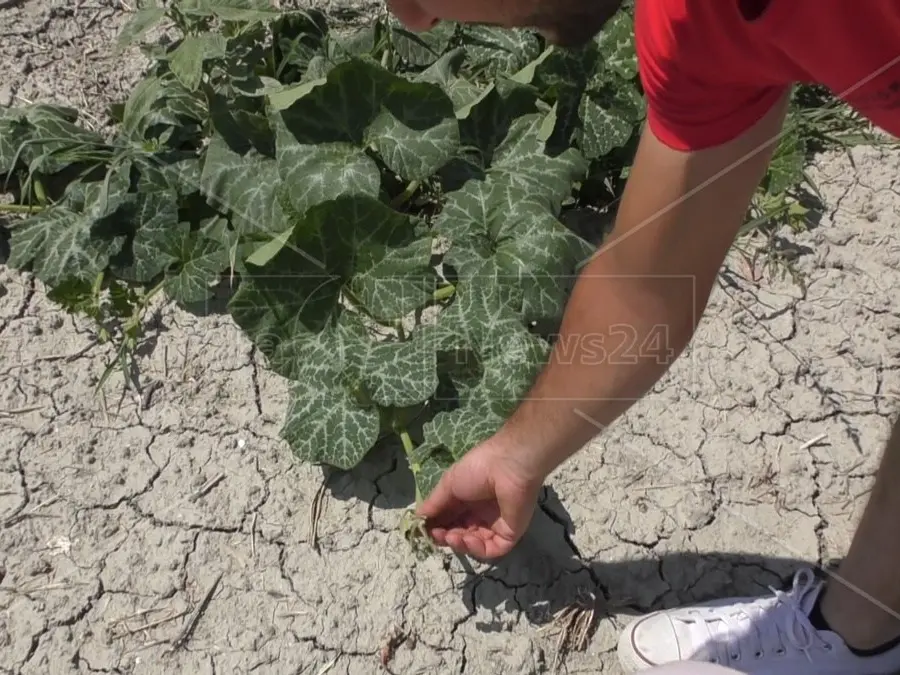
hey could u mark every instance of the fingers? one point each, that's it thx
(439, 501)
(483, 544)
(466, 543)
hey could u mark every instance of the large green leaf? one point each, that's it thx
(13, 131)
(412, 125)
(199, 265)
(325, 424)
(608, 121)
(190, 261)
(162, 108)
(333, 418)
(494, 356)
(46, 138)
(499, 51)
(294, 309)
(398, 282)
(523, 161)
(428, 463)
(562, 70)
(358, 43)
(396, 374)
(351, 243)
(444, 72)
(462, 429)
(485, 120)
(76, 238)
(526, 247)
(156, 214)
(616, 45)
(244, 185)
(313, 174)
(176, 171)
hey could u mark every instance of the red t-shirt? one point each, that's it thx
(710, 72)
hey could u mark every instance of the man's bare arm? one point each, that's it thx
(679, 216)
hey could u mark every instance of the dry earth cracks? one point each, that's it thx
(752, 457)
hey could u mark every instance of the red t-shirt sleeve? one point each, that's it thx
(692, 75)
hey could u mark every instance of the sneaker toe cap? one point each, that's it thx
(649, 641)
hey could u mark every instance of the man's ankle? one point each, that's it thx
(865, 628)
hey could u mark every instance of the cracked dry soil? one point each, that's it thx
(751, 458)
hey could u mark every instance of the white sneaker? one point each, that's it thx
(769, 635)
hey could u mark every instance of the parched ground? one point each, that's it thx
(169, 532)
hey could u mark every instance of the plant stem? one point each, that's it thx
(20, 208)
(409, 448)
(405, 438)
(444, 292)
(406, 195)
(148, 296)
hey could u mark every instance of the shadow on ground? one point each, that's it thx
(546, 573)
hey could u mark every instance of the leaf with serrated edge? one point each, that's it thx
(603, 128)
(399, 283)
(480, 305)
(324, 424)
(70, 240)
(244, 185)
(400, 373)
(445, 73)
(60, 245)
(49, 137)
(501, 231)
(511, 360)
(429, 469)
(201, 263)
(508, 360)
(12, 132)
(411, 124)
(314, 174)
(461, 430)
(327, 423)
(500, 51)
(284, 305)
(154, 246)
(297, 293)
(162, 244)
(521, 159)
(291, 310)
(616, 45)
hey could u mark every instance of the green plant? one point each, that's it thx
(384, 207)
(383, 204)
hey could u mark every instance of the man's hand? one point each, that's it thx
(483, 504)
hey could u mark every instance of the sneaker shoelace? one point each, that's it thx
(768, 625)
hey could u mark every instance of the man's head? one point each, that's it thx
(567, 23)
